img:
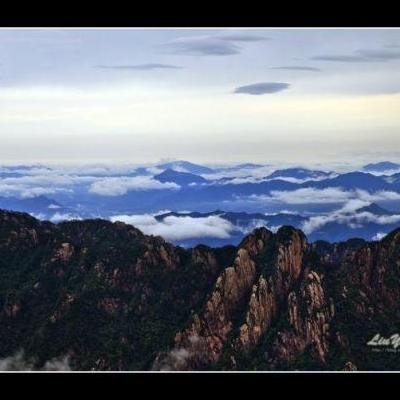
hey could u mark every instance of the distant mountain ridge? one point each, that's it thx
(381, 166)
(299, 173)
(125, 190)
(338, 228)
(30, 204)
(186, 166)
(180, 178)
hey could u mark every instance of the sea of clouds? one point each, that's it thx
(180, 228)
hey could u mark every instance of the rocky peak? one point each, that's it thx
(243, 286)
(256, 241)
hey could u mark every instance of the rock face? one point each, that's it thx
(203, 341)
(309, 313)
(270, 291)
(108, 297)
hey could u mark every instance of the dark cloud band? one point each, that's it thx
(362, 55)
(139, 67)
(298, 68)
(203, 47)
(243, 37)
(262, 88)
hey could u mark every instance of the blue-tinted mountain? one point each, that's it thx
(8, 174)
(298, 173)
(351, 181)
(207, 196)
(375, 209)
(393, 179)
(381, 166)
(331, 231)
(187, 167)
(39, 204)
(180, 178)
(243, 219)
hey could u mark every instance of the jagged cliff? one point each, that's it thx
(108, 297)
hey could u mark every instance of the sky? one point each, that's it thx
(205, 95)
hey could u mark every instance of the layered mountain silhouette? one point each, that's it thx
(180, 178)
(299, 173)
(31, 204)
(382, 166)
(104, 296)
(186, 166)
(107, 192)
(363, 222)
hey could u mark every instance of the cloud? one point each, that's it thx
(18, 362)
(304, 196)
(179, 228)
(59, 217)
(243, 37)
(157, 170)
(139, 67)
(299, 180)
(378, 196)
(103, 179)
(50, 179)
(117, 186)
(298, 68)
(240, 172)
(262, 88)
(258, 179)
(202, 46)
(57, 364)
(26, 192)
(386, 172)
(339, 58)
(310, 196)
(29, 186)
(362, 55)
(349, 215)
(239, 181)
(379, 236)
(380, 55)
(177, 358)
(322, 196)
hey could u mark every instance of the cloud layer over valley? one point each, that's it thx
(179, 228)
(230, 200)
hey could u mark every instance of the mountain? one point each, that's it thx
(368, 222)
(186, 166)
(208, 197)
(352, 180)
(241, 218)
(38, 204)
(394, 179)
(180, 178)
(103, 296)
(382, 166)
(298, 173)
(373, 208)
